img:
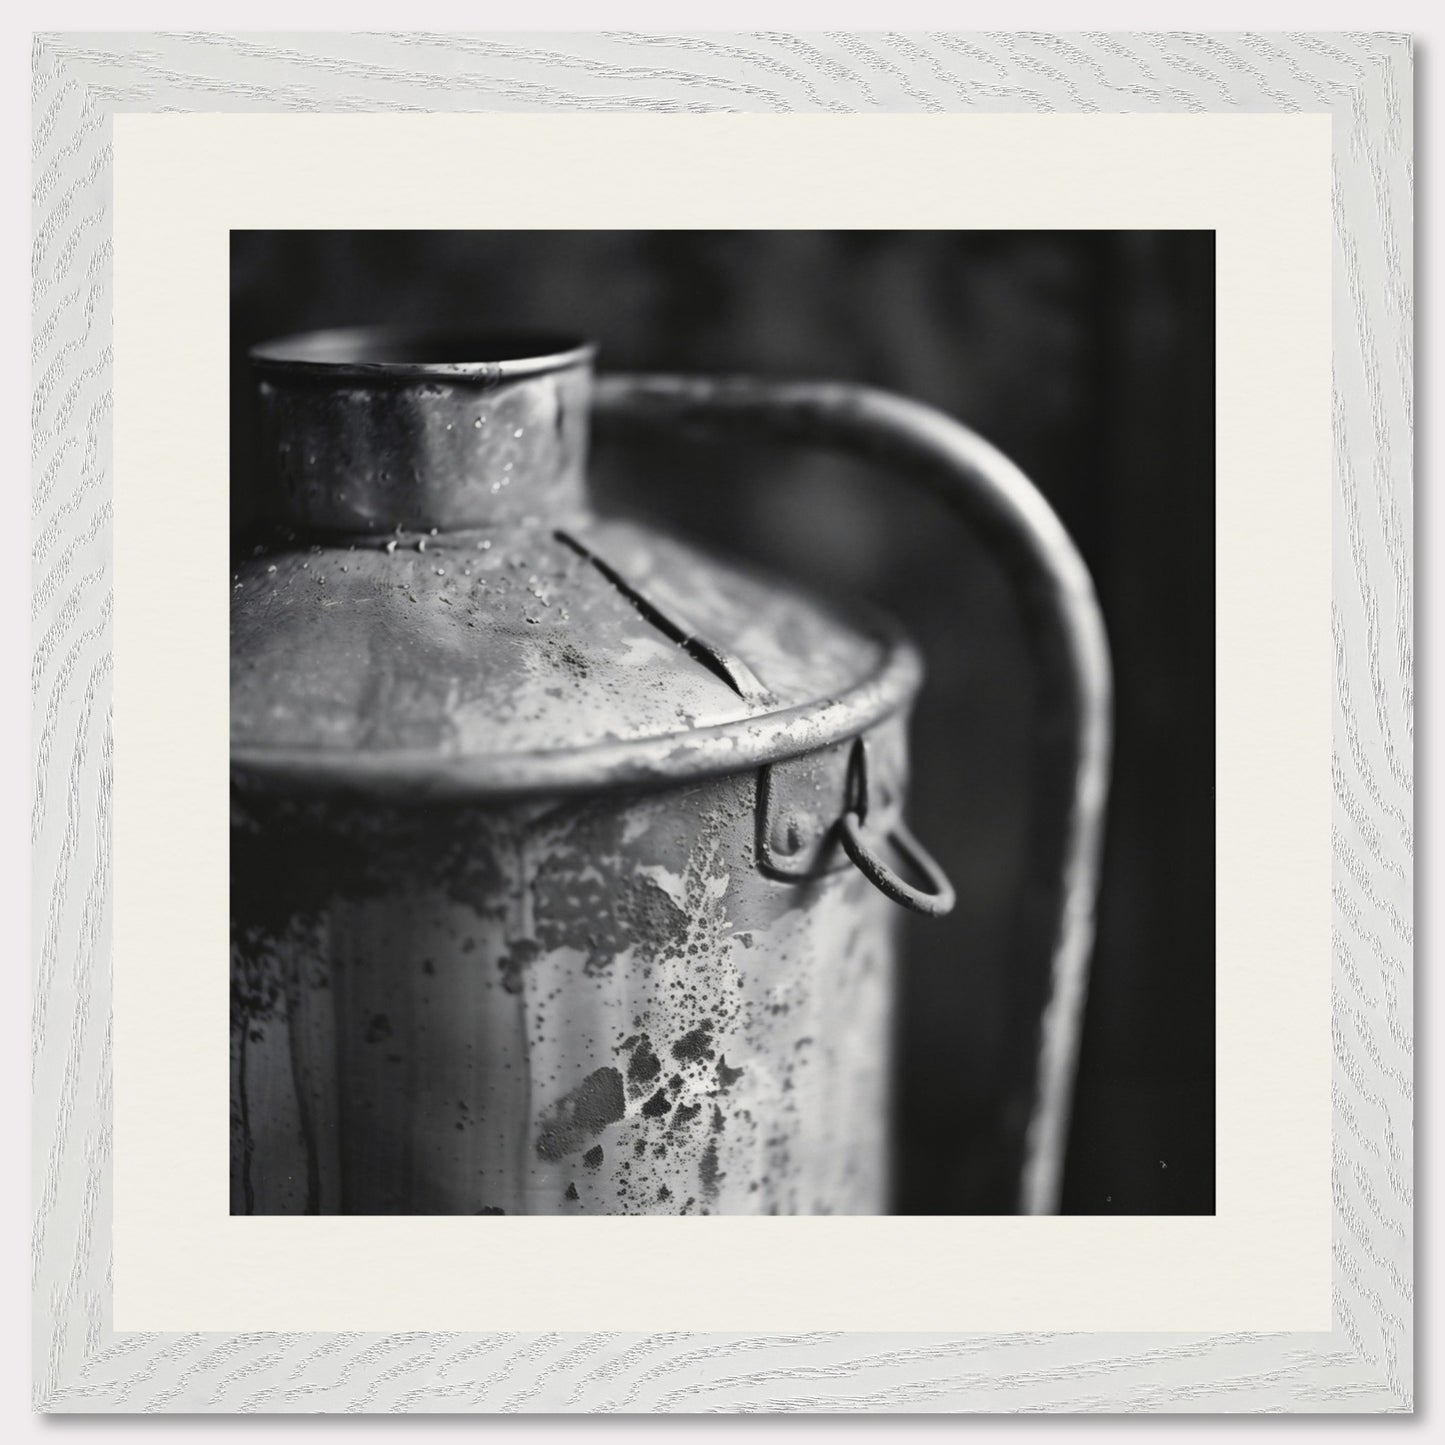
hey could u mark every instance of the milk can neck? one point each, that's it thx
(367, 431)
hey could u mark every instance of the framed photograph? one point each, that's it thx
(723, 723)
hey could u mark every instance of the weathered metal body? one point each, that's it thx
(539, 903)
(565, 858)
(587, 1005)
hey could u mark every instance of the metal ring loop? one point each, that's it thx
(940, 897)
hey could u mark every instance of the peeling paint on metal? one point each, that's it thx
(610, 981)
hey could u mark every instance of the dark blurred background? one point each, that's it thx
(1087, 357)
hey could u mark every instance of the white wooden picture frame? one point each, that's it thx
(81, 82)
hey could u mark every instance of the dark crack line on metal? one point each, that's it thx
(732, 670)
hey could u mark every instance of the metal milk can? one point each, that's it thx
(567, 861)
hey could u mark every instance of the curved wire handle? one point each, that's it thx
(1071, 732)
(933, 901)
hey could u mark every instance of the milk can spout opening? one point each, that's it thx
(370, 430)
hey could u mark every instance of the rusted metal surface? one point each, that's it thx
(594, 1004)
(558, 882)
(1073, 682)
(443, 615)
(500, 661)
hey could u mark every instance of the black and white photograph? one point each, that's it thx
(722, 722)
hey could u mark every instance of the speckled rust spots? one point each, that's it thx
(707, 1171)
(696, 1044)
(727, 1077)
(581, 1115)
(700, 1028)
(573, 659)
(513, 963)
(572, 1191)
(588, 892)
(650, 911)
(644, 1066)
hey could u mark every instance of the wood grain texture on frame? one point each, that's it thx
(1364, 82)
